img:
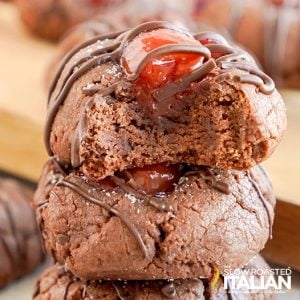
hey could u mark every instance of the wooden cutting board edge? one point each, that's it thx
(22, 151)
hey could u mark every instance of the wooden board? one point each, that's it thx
(23, 60)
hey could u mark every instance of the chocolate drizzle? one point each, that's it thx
(210, 180)
(265, 203)
(110, 209)
(255, 76)
(101, 49)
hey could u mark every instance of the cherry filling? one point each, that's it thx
(151, 71)
(153, 179)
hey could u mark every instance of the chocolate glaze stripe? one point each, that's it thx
(210, 180)
(149, 26)
(70, 54)
(266, 87)
(210, 35)
(166, 49)
(265, 203)
(98, 202)
(183, 83)
(98, 51)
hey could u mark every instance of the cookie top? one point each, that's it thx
(142, 224)
(116, 103)
(20, 245)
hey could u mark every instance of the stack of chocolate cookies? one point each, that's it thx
(153, 187)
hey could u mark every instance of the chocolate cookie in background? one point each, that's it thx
(58, 284)
(163, 222)
(269, 29)
(113, 105)
(125, 16)
(50, 19)
(20, 244)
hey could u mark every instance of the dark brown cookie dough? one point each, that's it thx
(58, 284)
(97, 119)
(20, 245)
(99, 232)
(269, 30)
(52, 18)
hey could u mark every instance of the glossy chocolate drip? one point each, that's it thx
(183, 83)
(264, 201)
(110, 209)
(169, 291)
(255, 76)
(210, 180)
(113, 50)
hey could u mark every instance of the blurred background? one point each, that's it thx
(36, 34)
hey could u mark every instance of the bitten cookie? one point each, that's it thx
(268, 28)
(158, 94)
(58, 284)
(156, 222)
(20, 245)
(52, 18)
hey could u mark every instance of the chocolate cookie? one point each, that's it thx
(269, 29)
(196, 99)
(58, 284)
(156, 222)
(20, 245)
(52, 18)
